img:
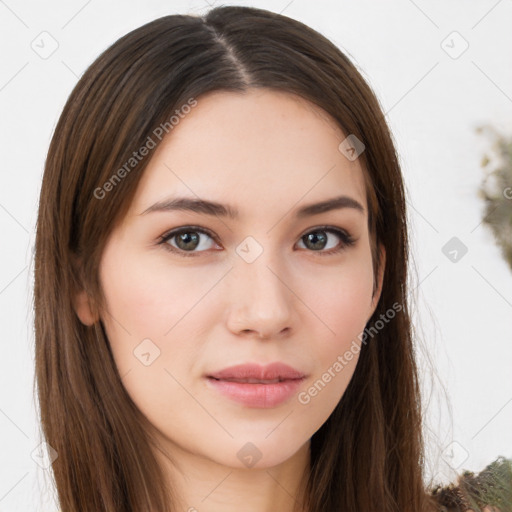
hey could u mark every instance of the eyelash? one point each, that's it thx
(346, 239)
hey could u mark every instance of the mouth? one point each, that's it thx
(254, 381)
(258, 374)
(256, 393)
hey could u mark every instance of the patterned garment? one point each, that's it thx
(488, 491)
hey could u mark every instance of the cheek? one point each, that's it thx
(342, 297)
(152, 324)
(341, 305)
(147, 298)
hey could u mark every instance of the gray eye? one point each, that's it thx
(317, 240)
(189, 240)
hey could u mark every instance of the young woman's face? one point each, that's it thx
(270, 284)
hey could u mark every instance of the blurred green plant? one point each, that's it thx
(496, 190)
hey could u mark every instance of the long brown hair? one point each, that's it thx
(369, 453)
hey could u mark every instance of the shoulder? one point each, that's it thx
(488, 491)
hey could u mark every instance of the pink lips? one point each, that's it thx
(257, 386)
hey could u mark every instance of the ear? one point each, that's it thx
(82, 302)
(380, 280)
(84, 309)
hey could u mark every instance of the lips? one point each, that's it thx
(257, 386)
(257, 374)
(254, 381)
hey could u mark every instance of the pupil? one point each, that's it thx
(187, 238)
(313, 237)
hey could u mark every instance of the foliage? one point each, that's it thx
(492, 487)
(496, 191)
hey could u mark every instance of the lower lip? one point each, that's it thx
(261, 396)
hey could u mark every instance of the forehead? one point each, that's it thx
(256, 150)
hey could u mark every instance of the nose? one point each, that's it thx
(261, 300)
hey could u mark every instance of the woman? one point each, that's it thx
(220, 284)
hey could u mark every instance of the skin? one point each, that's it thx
(266, 153)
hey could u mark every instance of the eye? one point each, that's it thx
(318, 240)
(187, 239)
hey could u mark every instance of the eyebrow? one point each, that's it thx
(224, 210)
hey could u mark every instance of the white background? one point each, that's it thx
(463, 310)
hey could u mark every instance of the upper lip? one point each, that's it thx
(271, 371)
